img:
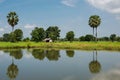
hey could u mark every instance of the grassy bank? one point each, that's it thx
(63, 45)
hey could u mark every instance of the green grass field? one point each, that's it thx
(63, 45)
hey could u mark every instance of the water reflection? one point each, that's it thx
(70, 53)
(16, 53)
(94, 65)
(38, 54)
(12, 70)
(113, 74)
(62, 67)
(51, 55)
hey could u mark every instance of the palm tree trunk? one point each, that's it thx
(93, 55)
(96, 55)
(96, 34)
(12, 29)
(93, 34)
(12, 34)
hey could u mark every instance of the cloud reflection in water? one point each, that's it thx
(113, 74)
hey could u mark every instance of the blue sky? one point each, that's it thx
(68, 15)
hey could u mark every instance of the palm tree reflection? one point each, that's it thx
(70, 53)
(94, 66)
(12, 70)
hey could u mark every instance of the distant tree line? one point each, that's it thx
(53, 32)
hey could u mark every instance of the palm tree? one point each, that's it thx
(12, 19)
(94, 22)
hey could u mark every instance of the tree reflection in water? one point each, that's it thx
(49, 54)
(70, 53)
(94, 66)
(12, 70)
(38, 54)
(16, 53)
(52, 55)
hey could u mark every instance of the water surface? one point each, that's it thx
(39, 64)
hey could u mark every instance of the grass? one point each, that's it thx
(63, 45)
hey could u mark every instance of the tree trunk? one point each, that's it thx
(12, 28)
(93, 34)
(96, 34)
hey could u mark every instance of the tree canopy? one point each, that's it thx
(38, 34)
(70, 36)
(53, 32)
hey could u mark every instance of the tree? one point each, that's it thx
(6, 37)
(26, 39)
(112, 37)
(82, 38)
(38, 34)
(12, 37)
(89, 37)
(94, 22)
(53, 32)
(70, 36)
(18, 34)
(118, 39)
(12, 19)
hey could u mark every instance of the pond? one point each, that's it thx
(51, 64)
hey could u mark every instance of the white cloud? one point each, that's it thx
(110, 75)
(28, 26)
(2, 29)
(112, 6)
(70, 3)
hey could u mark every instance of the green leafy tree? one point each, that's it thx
(89, 37)
(6, 37)
(94, 22)
(70, 36)
(118, 39)
(82, 38)
(53, 32)
(38, 34)
(18, 34)
(26, 39)
(12, 37)
(113, 37)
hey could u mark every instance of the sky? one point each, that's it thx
(68, 15)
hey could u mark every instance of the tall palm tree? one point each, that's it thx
(12, 19)
(94, 22)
